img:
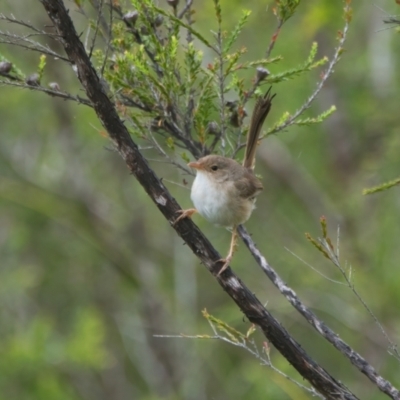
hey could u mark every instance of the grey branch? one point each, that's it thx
(356, 359)
(50, 92)
(29, 44)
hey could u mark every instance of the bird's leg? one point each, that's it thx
(185, 214)
(232, 250)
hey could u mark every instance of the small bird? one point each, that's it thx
(224, 191)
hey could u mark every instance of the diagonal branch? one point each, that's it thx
(186, 229)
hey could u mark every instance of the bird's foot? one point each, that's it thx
(232, 248)
(185, 214)
(226, 261)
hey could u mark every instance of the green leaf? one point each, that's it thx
(42, 65)
(236, 31)
(382, 187)
(285, 9)
(316, 120)
(186, 26)
(218, 11)
(307, 66)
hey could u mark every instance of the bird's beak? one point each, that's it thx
(195, 165)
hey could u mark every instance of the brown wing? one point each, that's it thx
(248, 185)
(261, 110)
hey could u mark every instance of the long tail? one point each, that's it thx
(260, 112)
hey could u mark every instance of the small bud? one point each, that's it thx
(213, 128)
(158, 20)
(173, 3)
(54, 86)
(262, 73)
(234, 119)
(130, 18)
(33, 80)
(231, 104)
(144, 30)
(237, 113)
(5, 67)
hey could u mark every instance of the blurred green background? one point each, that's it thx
(90, 271)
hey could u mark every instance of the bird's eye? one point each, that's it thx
(214, 167)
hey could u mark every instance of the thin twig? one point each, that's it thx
(106, 27)
(334, 258)
(166, 156)
(189, 36)
(221, 86)
(109, 39)
(96, 30)
(273, 38)
(21, 41)
(185, 9)
(50, 92)
(21, 22)
(336, 57)
(315, 269)
(245, 345)
(356, 359)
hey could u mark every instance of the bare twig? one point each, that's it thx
(221, 82)
(50, 92)
(96, 30)
(109, 38)
(329, 71)
(26, 43)
(166, 156)
(356, 359)
(334, 258)
(185, 9)
(106, 26)
(250, 346)
(314, 269)
(11, 19)
(189, 36)
(274, 38)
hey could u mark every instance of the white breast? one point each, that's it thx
(215, 204)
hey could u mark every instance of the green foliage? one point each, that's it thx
(382, 187)
(189, 28)
(323, 245)
(161, 79)
(285, 9)
(232, 333)
(41, 66)
(36, 356)
(218, 11)
(315, 120)
(309, 65)
(233, 36)
(85, 344)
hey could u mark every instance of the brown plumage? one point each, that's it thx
(224, 191)
(260, 112)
